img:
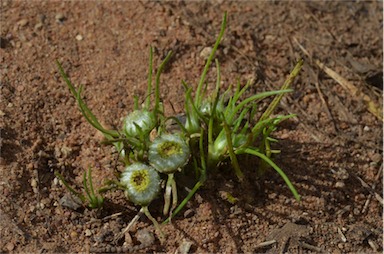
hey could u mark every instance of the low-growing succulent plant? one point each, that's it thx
(218, 127)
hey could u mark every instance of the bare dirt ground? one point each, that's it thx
(332, 150)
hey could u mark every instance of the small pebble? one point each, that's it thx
(38, 26)
(32, 208)
(340, 185)
(33, 183)
(59, 17)
(74, 216)
(272, 195)
(20, 88)
(23, 22)
(10, 246)
(79, 37)
(206, 52)
(73, 234)
(41, 18)
(71, 202)
(366, 128)
(145, 237)
(55, 181)
(342, 174)
(376, 158)
(88, 232)
(184, 247)
(189, 213)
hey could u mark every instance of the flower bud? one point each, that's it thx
(139, 121)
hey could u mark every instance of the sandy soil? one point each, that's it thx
(332, 151)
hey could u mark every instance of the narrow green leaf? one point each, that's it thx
(199, 97)
(77, 194)
(285, 86)
(274, 166)
(231, 152)
(149, 88)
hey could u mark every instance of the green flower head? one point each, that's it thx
(142, 183)
(168, 152)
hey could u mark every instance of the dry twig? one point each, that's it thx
(348, 86)
(310, 247)
(366, 204)
(265, 244)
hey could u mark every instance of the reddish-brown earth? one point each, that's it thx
(332, 143)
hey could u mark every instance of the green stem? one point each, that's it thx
(174, 196)
(86, 186)
(145, 210)
(255, 97)
(157, 89)
(273, 165)
(77, 194)
(232, 155)
(197, 185)
(285, 86)
(167, 194)
(149, 89)
(198, 97)
(185, 201)
(87, 113)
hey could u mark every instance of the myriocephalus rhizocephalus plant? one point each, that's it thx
(218, 127)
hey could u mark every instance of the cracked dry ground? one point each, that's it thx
(332, 150)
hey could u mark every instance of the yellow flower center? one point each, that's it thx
(168, 149)
(140, 180)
